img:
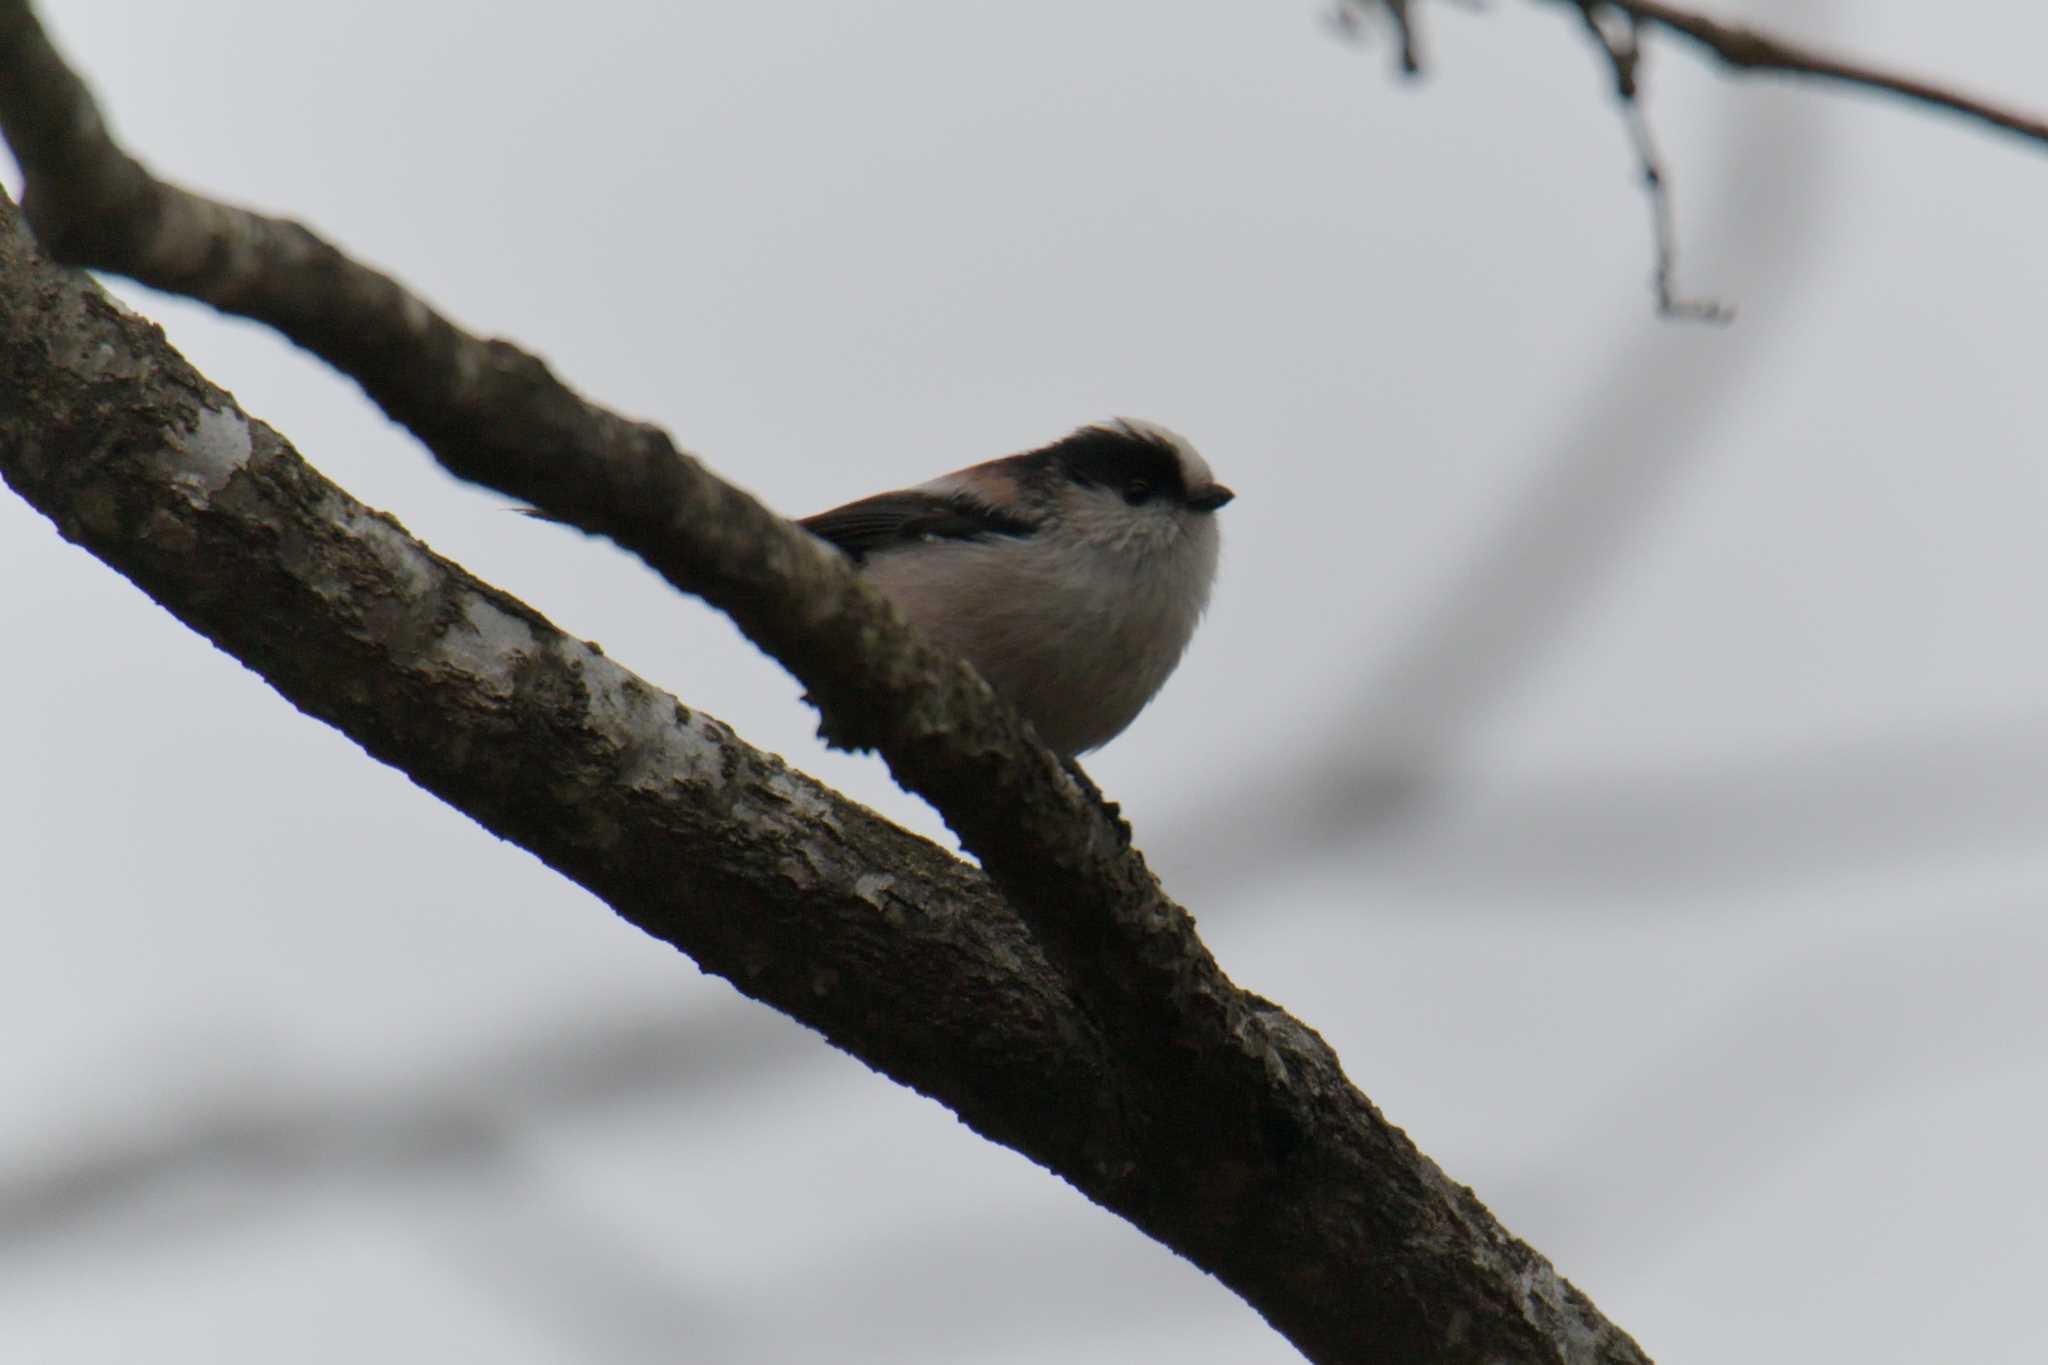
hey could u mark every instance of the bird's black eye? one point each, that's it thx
(1137, 491)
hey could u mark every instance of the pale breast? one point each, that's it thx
(1079, 649)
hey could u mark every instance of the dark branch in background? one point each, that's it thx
(263, 1125)
(1641, 420)
(1222, 1127)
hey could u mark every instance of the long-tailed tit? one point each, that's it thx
(1071, 577)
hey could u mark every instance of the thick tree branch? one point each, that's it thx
(1215, 1122)
(1330, 1222)
(798, 896)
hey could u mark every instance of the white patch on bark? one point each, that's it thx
(1544, 1306)
(200, 462)
(663, 742)
(487, 645)
(401, 556)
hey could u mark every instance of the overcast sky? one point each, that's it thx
(1625, 741)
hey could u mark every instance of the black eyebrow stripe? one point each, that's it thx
(1109, 457)
(888, 520)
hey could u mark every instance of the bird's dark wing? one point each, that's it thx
(890, 519)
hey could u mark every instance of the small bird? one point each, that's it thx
(1071, 576)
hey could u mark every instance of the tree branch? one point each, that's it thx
(1748, 49)
(1215, 1122)
(801, 898)
(1350, 17)
(1739, 48)
(1622, 46)
(1742, 49)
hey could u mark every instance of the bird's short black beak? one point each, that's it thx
(1210, 498)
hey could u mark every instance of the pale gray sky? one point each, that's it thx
(1624, 741)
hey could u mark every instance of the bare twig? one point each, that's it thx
(1745, 50)
(1404, 29)
(1623, 47)
(1350, 18)
(1740, 48)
